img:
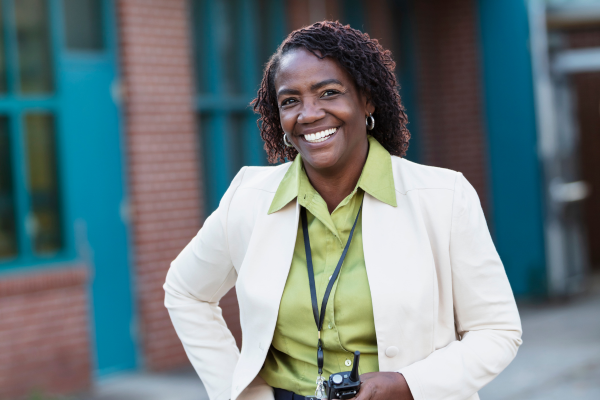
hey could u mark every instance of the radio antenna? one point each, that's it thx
(354, 374)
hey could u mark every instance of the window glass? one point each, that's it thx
(219, 39)
(233, 126)
(227, 35)
(83, 24)
(44, 220)
(237, 126)
(33, 41)
(2, 56)
(206, 151)
(264, 27)
(201, 32)
(270, 32)
(8, 234)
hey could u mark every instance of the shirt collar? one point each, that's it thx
(376, 178)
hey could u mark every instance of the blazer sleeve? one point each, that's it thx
(200, 275)
(486, 317)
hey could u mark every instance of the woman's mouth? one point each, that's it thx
(320, 136)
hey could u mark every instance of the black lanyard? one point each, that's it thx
(311, 280)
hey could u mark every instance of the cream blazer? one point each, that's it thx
(445, 315)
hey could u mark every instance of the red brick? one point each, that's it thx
(161, 131)
(449, 94)
(44, 336)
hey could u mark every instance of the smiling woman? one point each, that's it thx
(369, 72)
(348, 252)
(321, 112)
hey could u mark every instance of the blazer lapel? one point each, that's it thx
(260, 285)
(401, 272)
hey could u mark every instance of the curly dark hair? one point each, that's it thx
(369, 64)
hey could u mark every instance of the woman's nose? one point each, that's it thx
(310, 112)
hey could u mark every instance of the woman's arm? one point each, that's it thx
(198, 278)
(486, 315)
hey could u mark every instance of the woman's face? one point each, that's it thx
(321, 111)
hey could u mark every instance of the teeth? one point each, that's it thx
(320, 136)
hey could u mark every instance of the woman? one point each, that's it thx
(413, 279)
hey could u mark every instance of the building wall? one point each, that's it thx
(449, 91)
(44, 316)
(163, 166)
(587, 95)
(301, 13)
(44, 332)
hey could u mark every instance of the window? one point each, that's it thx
(232, 41)
(83, 25)
(30, 201)
(8, 233)
(33, 44)
(42, 183)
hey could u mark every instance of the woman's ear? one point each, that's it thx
(370, 108)
(366, 100)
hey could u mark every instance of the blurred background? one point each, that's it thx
(122, 123)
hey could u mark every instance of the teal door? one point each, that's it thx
(94, 159)
(62, 187)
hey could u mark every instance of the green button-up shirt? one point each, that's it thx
(348, 326)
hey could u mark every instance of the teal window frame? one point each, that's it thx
(15, 106)
(219, 147)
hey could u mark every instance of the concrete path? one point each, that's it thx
(145, 386)
(559, 359)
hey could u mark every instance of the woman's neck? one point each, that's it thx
(335, 184)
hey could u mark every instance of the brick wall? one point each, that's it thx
(301, 13)
(163, 166)
(44, 333)
(449, 89)
(380, 21)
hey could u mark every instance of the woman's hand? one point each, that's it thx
(383, 386)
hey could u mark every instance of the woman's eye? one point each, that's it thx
(330, 92)
(287, 102)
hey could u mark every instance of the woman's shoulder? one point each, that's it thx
(409, 175)
(265, 178)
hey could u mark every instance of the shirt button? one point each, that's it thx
(348, 363)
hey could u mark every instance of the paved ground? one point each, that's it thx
(184, 385)
(560, 355)
(560, 359)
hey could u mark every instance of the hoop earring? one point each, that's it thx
(371, 123)
(286, 142)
